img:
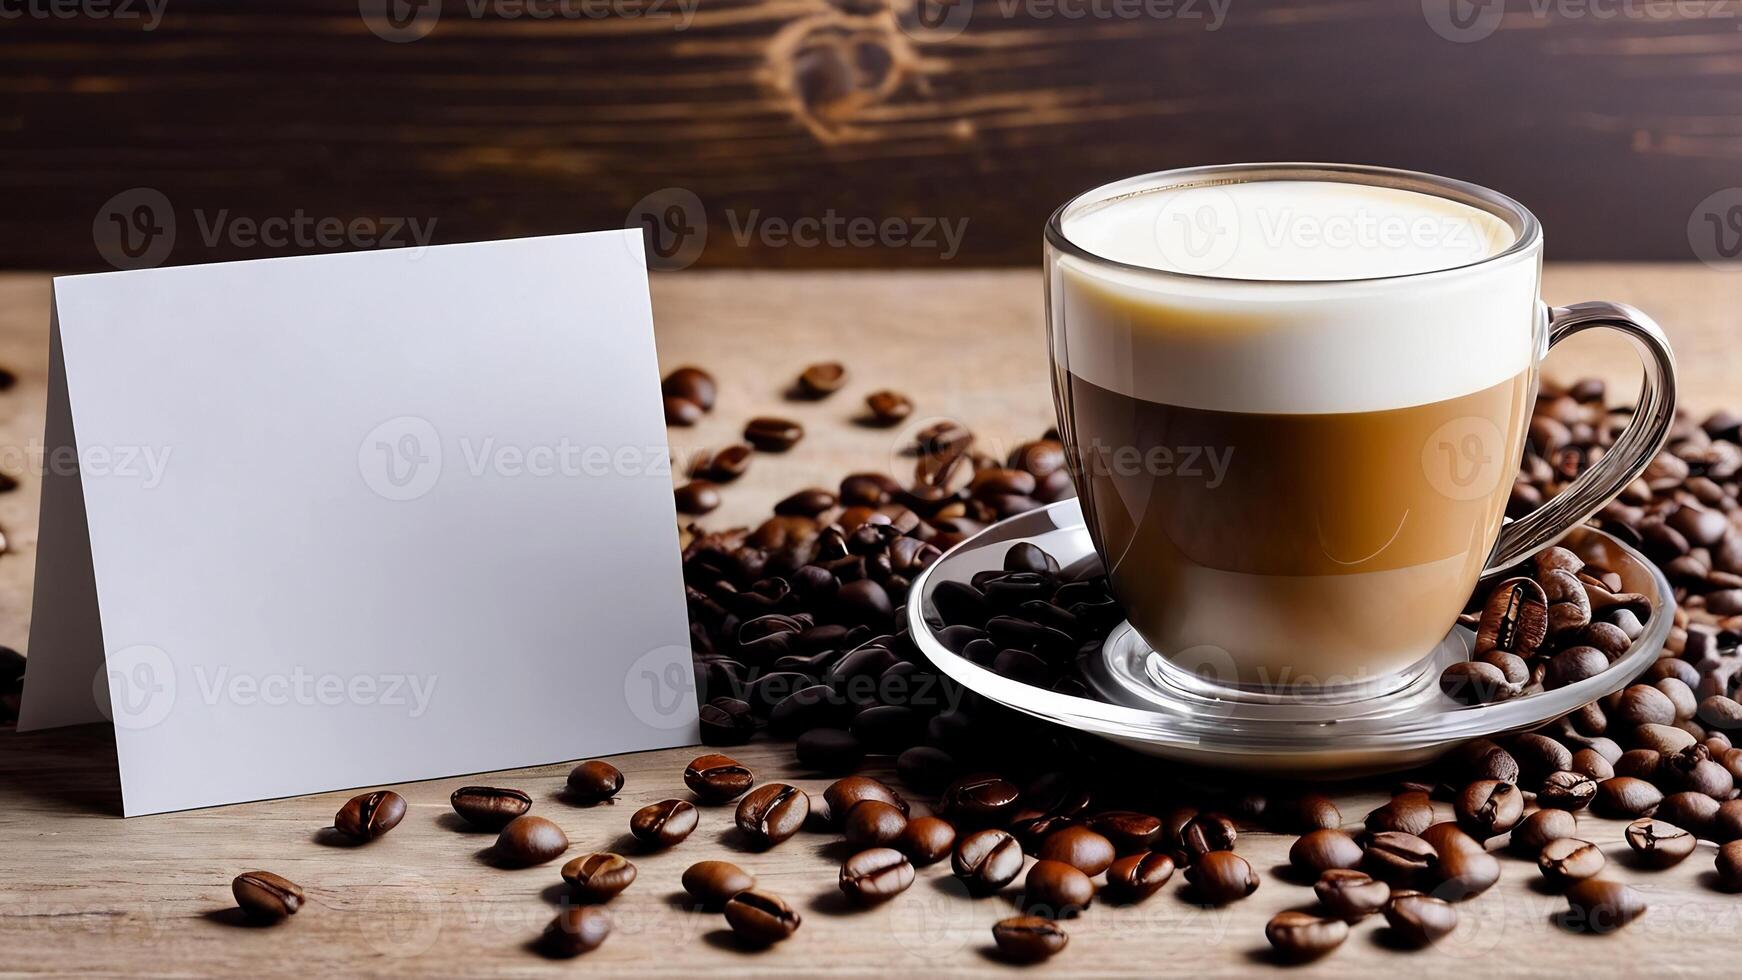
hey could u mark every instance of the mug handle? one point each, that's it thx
(1633, 450)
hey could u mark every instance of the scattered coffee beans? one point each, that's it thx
(691, 384)
(871, 823)
(1080, 848)
(663, 824)
(1056, 889)
(1135, 877)
(1351, 895)
(760, 918)
(697, 497)
(1028, 938)
(598, 877)
(1488, 808)
(1299, 936)
(843, 793)
(876, 875)
(771, 813)
(370, 815)
(1626, 796)
(1569, 859)
(1602, 906)
(1321, 850)
(1657, 844)
(489, 808)
(266, 896)
(594, 782)
(1419, 920)
(1399, 858)
(577, 929)
(1536, 830)
(717, 778)
(987, 860)
(1407, 813)
(926, 840)
(821, 380)
(530, 840)
(1220, 877)
(1566, 790)
(888, 407)
(773, 435)
(1729, 866)
(713, 883)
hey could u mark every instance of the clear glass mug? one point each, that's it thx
(1296, 482)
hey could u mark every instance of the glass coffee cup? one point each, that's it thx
(1294, 398)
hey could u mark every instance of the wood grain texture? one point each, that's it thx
(88, 892)
(1616, 128)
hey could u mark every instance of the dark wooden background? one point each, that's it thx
(1613, 129)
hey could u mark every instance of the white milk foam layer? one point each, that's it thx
(1298, 340)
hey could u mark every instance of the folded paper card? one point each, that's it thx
(331, 521)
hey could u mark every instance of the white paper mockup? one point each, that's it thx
(331, 521)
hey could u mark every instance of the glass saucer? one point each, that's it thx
(1136, 701)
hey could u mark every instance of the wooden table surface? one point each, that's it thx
(84, 891)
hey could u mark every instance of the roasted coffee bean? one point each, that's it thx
(986, 860)
(1057, 890)
(1569, 859)
(697, 497)
(1135, 877)
(822, 380)
(1665, 739)
(1569, 606)
(1643, 704)
(1309, 812)
(979, 800)
(1638, 764)
(576, 929)
(717, 778)
(692, 384)
(1573, 665)
(1536, 830)
(1488, 808)
(487, 807)
(1351, 895)
(665, 823)
(1080, 848)
(1729, 866)
(871, 823)
(844, 792)
(1399, 858)
(1028, 938)
(1481, 759)
(598, 877)
(773, 435)
(1514, 619)
(1407, 813)
(1602, 906)
(1299, 936)
(1693, 811)
(1447, 837)
(1627, 797)
(713, 883)
(876, 875)
(760, 918)
(1220, 877)
(1538, 755)
(1130, 832)
(888, 407)
(1207, 832)
(829, 750)
(1025, 557)
(1475, 682)
(723, 466)
(1419, 920)
(594, 782)
(266, 896)
(1657, 844)
(805, 503)
(1322, 850)
(1591, 763)
(1461, 873)
(370, 815)
(529, 840)
(681, 411)
(889, 728)
(1566, 791)
(727, 721)
(926, 840)
(772, 813)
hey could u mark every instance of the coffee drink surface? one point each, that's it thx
(1291, 404)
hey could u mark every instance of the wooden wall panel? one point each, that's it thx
(1618, 129)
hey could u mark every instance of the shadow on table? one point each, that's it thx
(68, 768)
